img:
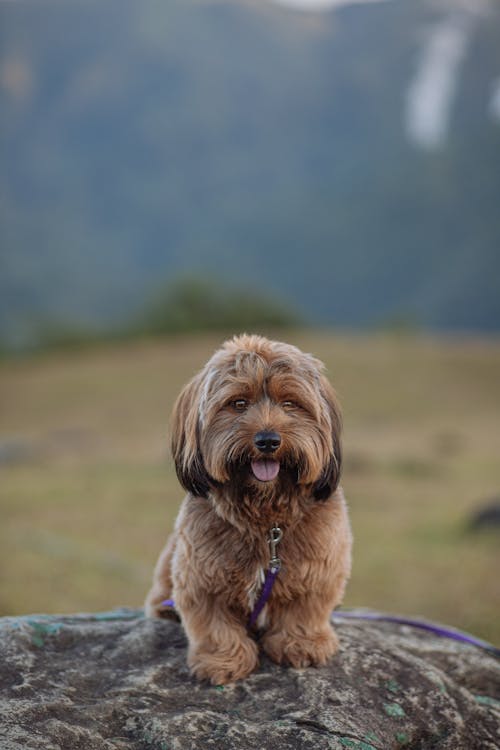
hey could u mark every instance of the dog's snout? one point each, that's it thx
(267, 442)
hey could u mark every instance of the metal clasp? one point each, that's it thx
(274, 539)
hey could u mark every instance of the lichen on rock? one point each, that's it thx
(119, 681)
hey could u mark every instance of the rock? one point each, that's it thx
(117, 680)
(486, 517)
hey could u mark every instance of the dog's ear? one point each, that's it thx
(330, 478)
(186, 440)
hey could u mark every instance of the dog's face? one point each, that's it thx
(261, 416)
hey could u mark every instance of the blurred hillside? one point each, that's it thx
(346, 162)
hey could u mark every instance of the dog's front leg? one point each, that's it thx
(220, 649)
(300, 633)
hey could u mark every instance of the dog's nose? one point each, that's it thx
(267, 442)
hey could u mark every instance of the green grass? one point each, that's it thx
(87, 505)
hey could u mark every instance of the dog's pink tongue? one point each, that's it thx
(265, 469)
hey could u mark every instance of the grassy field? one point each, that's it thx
(88, 493)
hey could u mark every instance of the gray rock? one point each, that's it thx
(486, 517)
(117, 680)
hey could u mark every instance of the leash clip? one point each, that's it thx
(274, 539)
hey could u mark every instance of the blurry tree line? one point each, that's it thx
(189, 304)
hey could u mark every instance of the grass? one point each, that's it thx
(88, 493)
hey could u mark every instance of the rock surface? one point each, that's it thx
(117, 680)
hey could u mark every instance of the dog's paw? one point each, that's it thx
(312, 650)
(223, 666)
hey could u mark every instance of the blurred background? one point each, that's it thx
(326, 172)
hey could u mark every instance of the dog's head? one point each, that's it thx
(262, 414)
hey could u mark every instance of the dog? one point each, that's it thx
(256, 444)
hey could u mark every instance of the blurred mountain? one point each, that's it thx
(347, 161)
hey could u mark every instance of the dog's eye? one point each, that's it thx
(240, 404)
(288, 405)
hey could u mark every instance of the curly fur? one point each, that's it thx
(213, 562)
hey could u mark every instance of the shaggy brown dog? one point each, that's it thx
(256, 443)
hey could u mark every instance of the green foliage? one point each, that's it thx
(192, 304)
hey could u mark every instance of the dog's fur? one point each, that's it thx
(213, 563)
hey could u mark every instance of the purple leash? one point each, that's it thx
(439, 630)
(168, 603)
(271, 573)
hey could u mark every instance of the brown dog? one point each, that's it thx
(256, 443)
